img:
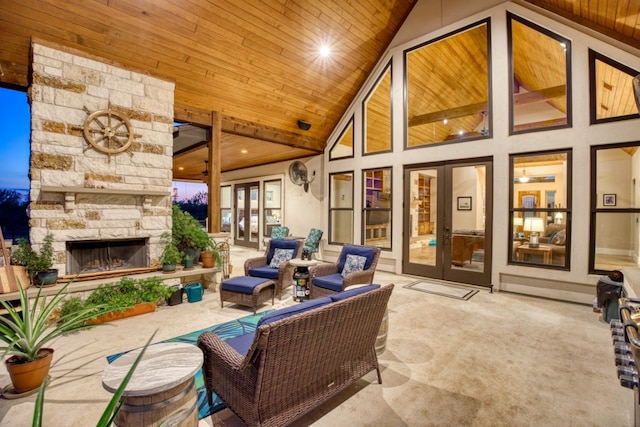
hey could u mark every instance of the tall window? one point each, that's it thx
(272, 205)
(539, 83)
(615, 207)
(377, 115)
(611, 91)
(343, 147)
(341, 207)
(540, 209)
(376, 209)
(225, 208)
(447, 84)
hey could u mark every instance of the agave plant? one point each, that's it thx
(26, 329)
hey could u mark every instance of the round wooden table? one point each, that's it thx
(161, 388)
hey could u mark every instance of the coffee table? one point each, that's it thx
(162, 388)
(545, 251)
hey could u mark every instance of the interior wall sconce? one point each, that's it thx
(304, 125)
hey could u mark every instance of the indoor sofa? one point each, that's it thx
(298, 357)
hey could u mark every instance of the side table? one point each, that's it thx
(301, 289)
(162, 388)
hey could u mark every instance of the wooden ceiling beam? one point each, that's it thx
(235, 126)
(542, 95)
(451, 113)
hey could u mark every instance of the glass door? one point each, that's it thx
(247, 214)
(447, 222)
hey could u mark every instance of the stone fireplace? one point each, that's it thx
(104, 210)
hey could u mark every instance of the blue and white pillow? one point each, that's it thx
(280, 256)
(353, 263)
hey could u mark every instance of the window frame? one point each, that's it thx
(366, 209)
(365, 101)
(568, 78)
(593, 204)
(566, 210)
(349, 124)
(332, 209)
(597, 56)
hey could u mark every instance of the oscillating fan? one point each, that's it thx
(299, 175)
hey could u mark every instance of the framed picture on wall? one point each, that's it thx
(609, 200)
(464, 203)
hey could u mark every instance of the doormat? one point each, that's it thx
(225, 331)
(442, 289)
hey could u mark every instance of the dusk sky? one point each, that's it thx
(14, 139)
(14, 146)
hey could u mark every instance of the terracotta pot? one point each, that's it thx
(30, 375)
(142, 308)
(208, 260)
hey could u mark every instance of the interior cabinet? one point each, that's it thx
(425, 226)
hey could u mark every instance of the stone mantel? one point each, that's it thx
(70, 194)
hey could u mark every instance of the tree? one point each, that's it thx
(14, 219)
(196, 206)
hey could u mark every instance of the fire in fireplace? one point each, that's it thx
(92, 256)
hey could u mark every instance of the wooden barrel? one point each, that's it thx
(178, 406)
(381, 340)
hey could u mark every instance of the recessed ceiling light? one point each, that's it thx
(243, 151)
(325, 51)
(181, 168)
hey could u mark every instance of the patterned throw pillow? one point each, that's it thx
(280, 256)
(353, 263)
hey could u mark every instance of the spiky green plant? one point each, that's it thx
(27, 328)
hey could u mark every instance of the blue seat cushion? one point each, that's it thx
(242, 284)
(332, 282)
(264, 271)
(242, 343)
(293, 309)
(356, 250)
(352, 291)
(281, 244)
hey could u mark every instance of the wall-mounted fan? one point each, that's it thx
(299, 175)
(636, 90)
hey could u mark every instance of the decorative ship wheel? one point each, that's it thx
(109, 132)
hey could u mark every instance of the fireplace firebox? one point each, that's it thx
(93, 256)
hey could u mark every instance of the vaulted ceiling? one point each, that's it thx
(256, 63)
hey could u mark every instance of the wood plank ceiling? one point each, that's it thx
(255, 62)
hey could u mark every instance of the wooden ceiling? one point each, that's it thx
(254, 62)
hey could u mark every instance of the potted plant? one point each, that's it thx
(37, 264)
(171, 255)
(188, 234)
(210, 255)
(127, 297)
(25, 330)
(187, 260)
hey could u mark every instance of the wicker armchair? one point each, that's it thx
(326, 278)
(283, 275)
(292, 365)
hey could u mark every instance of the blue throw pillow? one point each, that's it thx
(364, 251)
(281, 244)
(353, 263)
(280, 256)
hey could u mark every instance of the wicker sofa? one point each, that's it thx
(298, 357)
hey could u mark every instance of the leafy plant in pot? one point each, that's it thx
(210, 255)
(188, 234)
(38, 264)
(171, 255)
(26, 329)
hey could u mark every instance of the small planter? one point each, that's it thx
(208, 260)
(176, 297)
(168, 268)
(142, 308)
(30, 375)
(188, 263)
(46, 278)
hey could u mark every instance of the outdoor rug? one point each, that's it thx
(225, 331)
(442, 289)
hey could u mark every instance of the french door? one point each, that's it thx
(247, 208)
(447, 221)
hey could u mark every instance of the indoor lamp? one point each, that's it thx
(533, 225)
